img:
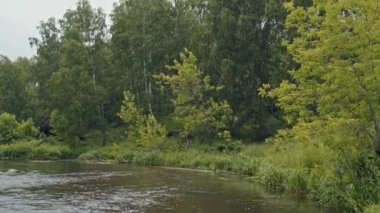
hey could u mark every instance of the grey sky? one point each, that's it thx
(19, 19)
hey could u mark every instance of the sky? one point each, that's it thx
(19, 19)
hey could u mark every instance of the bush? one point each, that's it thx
(297, 180)
(353, 185)
(227, 146)
(151, 134)
(223, 163)
(148, 158)
(12, 130)
(372, 209)
(114, 152)
(272, 177)
(245, 165)
(35, 150)
(143, 129)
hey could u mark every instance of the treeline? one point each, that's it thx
(203, 68)
(75, 83)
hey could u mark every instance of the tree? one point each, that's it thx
(194, 106)
(44, 65)
(338, 76)
(146, 35)
(77, 88)
(130, 114)
(240, 47)
(13, 87)
(143, 130)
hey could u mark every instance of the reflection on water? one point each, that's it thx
(81, 187)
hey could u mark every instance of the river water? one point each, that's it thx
(87, 187)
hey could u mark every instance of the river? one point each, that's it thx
(95, 187)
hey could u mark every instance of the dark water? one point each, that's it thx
(82, 187)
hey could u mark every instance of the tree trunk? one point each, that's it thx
(104, 139)
(377, 138)
(147, 77)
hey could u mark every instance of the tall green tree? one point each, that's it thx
(45, 64)
(242, 50)
(77, 90)
(146, 35)
(195, 108)
(14, 87)
(338, 76)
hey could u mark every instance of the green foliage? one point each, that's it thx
(114, 152)
(8, 126)
(74, 114)
(70, 72)
(27, 130)
(372, 209)
(12, 130)
(331, 102)
(338, 69)
(239, 46)
(353, 184)
(225, 146)
(273, 177)
(143, 129)
(130, 114)
(14, 86)
(124, 153)
(35, 150)
(152, 134)
(332, 99)
(194, 107)
(142, 44)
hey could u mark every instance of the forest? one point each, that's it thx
(287, 92)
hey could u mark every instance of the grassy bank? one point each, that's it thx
(35, 150)
(350, 183)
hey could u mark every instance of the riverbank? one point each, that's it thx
(71, 186)
(316, 171)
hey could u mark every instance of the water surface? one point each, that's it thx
(86, 187)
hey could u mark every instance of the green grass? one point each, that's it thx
(35, 150)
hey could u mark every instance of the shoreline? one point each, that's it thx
(297, 169)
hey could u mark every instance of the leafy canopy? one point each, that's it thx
(336, 47)
(194, 107)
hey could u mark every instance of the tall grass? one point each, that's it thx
(35, 150)
(372, 209)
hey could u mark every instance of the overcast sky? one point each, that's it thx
(19, 19)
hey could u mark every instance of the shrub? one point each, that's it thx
(297, 180)
(272, 177)
(12, 130)
(35, 150)
(143, 129)
(152, 134)
(148, 158)
(372, 209)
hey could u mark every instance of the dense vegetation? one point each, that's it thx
(193, 83)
